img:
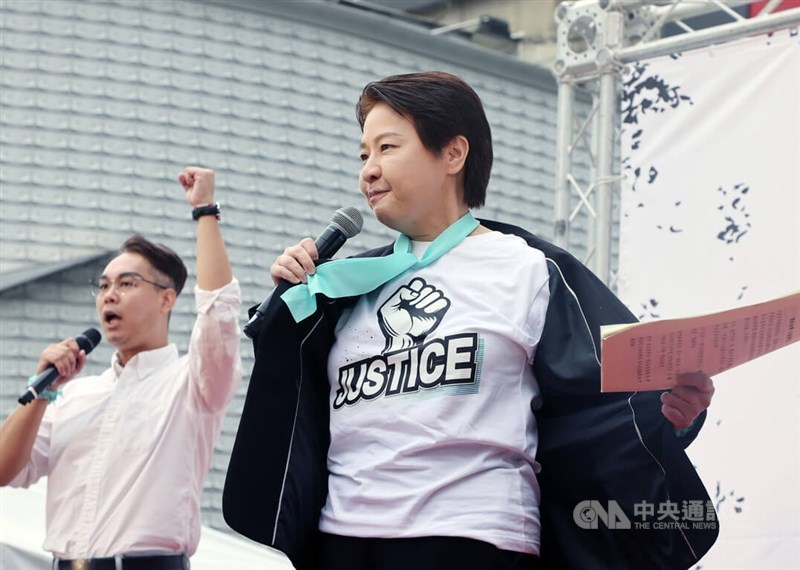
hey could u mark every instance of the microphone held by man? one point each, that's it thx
(86, 341)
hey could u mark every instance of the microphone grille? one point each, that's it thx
(349, 220)
(88, 339)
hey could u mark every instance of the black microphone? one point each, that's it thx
(86, 342)
(345, 223)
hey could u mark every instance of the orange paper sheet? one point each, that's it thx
(648, 356)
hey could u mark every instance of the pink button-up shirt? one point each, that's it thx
(126, 452)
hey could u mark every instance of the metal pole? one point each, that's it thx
(566, 100)
(767, 9)
(456, 26)
(594, 217)
(684, 10)
(606, 117)
(709, 36)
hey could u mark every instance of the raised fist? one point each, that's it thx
(409, 315)
(198, 183)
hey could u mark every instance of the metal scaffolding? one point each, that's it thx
(595, 40)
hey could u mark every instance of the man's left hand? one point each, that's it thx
(198, 183)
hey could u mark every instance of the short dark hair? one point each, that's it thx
(441, 106)
(164, 260)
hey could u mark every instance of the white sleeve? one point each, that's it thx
(38, 465)
(215, 363)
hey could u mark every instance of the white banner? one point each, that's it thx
(710, 220)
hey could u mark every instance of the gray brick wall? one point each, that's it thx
(102, 103)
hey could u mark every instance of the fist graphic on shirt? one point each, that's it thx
(410, 314)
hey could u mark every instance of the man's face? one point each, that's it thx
(133, 312)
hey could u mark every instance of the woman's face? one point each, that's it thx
(409, 188)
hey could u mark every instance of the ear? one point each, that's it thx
(455, 154)
(168, 298)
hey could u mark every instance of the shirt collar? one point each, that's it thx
(146, 361)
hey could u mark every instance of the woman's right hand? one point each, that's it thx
(295, 263)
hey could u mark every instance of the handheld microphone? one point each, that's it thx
(86, 342)
(345, 223)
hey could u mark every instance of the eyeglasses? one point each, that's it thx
(124, 283)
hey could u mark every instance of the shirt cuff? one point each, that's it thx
(230, 295)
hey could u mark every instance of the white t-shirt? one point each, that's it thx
(432, 432)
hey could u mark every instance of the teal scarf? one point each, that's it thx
(356, 276)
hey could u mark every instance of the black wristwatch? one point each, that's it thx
(207, 210)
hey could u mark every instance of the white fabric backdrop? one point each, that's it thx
(710, 220)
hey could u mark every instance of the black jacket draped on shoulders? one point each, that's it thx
(599, 447)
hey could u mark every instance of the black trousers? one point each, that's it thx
(424, 553)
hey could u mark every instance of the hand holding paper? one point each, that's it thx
(649, 356)
(688, 399)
